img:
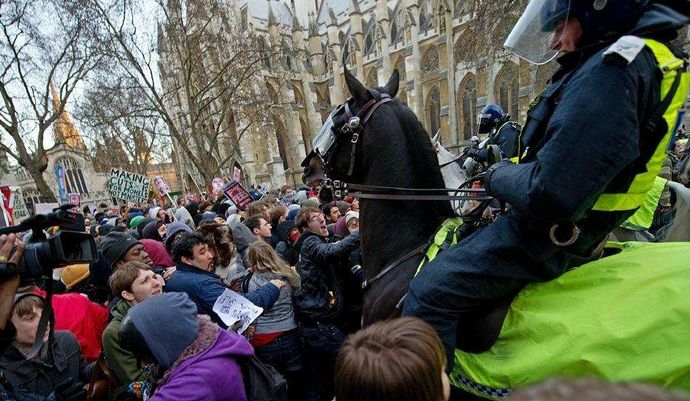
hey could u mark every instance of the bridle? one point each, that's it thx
(354, 125)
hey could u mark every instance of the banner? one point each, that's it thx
(162, 186)
(217, 184)
(238, 195)
(60, 177)
(236, 172)
(128, 186)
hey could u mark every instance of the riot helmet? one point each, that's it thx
(474, 141)
(489, 118)
(534, 35)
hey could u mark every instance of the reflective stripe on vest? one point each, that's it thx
(671, 66)
(644, 216)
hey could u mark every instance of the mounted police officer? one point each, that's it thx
(505, 134)
(592, 144)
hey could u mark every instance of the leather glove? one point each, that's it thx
(70, 391)
(490, 172)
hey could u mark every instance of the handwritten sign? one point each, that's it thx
(128, 186)
(237, 194)
(231, 307)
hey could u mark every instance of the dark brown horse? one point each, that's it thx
(392, 150)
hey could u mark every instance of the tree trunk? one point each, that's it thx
(43, 187)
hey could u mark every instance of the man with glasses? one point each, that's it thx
(319, 303)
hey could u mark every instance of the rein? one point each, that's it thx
(398, 193)
(366, 284)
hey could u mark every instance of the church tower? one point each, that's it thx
(64, 130)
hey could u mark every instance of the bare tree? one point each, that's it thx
(42, 43)
(202, 75)
(126, 131)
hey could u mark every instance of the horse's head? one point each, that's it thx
(338, 143)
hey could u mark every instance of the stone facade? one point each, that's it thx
(419, 38)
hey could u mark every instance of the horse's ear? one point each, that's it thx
(434, 140)
(357, 90)
(391, 87)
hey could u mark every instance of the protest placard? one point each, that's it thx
(128, 186)
(217, 185)
(237, 194)
(231, 307)
(19, 210)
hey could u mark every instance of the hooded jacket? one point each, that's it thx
(121, 362)
(182, 215)
(157, 252)
(208, 368)
(199, 359)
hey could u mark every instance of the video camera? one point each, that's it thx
(68, 246)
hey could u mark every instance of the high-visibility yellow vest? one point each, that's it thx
(671, 66)
(644, 216)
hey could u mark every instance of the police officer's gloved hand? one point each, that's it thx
(490, 172)
(70, 391)
(471, 152)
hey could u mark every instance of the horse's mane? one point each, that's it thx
(421, 153)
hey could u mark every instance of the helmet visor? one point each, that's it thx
(326, 138)
(538, 30)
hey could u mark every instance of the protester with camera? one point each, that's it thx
(58, 370)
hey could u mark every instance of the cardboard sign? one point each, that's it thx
(236, 172)
(128, 186)
(162, 186)
(238, 195)
(232, 307)
(19, 210)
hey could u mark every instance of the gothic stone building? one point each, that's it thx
(422, 39)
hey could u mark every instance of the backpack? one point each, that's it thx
(261, 381)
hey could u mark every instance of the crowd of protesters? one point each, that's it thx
(140, 322)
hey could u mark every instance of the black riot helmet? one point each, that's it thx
(602, 20)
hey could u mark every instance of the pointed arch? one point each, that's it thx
(372, 78)
(467, 106)
(264, 52)
(402, 87)
(426, 15)
(507, 89)
(432, 110)
(430, 59)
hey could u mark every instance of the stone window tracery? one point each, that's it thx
(74, 176)
(433, 111)
(467, 95)
(430, 60)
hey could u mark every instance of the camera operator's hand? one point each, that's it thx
(8, 272)
(67, 391)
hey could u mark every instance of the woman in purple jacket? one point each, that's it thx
(197, 359)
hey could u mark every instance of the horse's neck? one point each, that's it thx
(392, 228)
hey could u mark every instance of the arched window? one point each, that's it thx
(507, 88)
(264, 53)
(324, 102)
(402, 87)
(430, 60)
(281, 134)
(426, 16)
(299, 99)
(289, 61)
(459, 50)
(372, 79)
(398, 27)
(433, 111)
(467, 107)
(371, 39)
(459, 8)
(74, 177)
